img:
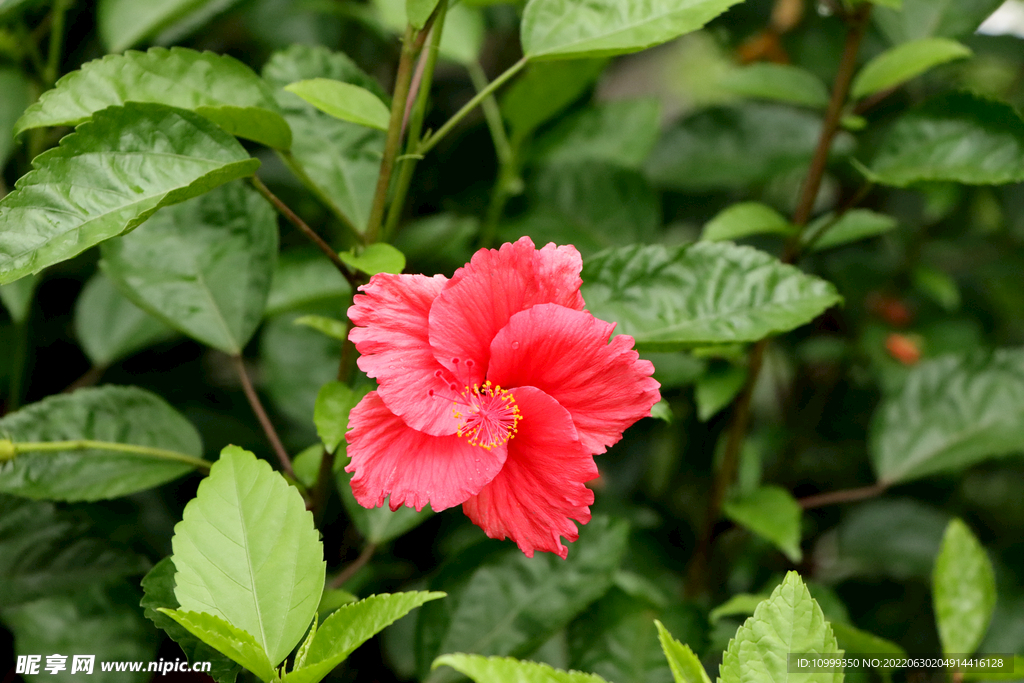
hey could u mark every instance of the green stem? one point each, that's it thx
(52, 69)
(502, 146)
(19, 367)
(430, 142)
(87, 445)
(419, 111)
(299, 172)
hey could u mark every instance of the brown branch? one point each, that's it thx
(845, 496)
(261, 415)
(357, 564)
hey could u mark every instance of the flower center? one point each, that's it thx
(488, 415)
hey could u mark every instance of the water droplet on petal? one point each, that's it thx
(515, 345)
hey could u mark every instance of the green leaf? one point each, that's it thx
(952, 412)
(218, 87)
(746, 219)
(333, 405)
(303, 277)
(375, 258)
(104, 621)
(44, 551)
(419, 11)
(17, 297)
(701, 294)
(124, 23)
(717, 387)
(351, 626)
(202, 267)
(340, 159)
(9, 8)
(247, 552)
(142, 157)
(900, 64)
(780, 82)
(377, 525)
(662, 410)
(562, 29)
(685, 665)
(963, 590)
(772, 513)
(959, 137)
(465, 30)
(854, 225)
(938, 286)
(621, 133)
(511, 604)
(509, 670)
(110, 327)
(297, 361)
(126, 415)
(923, 18)
(741, 603)
(343, 101)
(544, 90)
(15, 87)
(158, 592)
(335, 329)
(853, 641)
(733, 147)
(790, 621)
(231, 641)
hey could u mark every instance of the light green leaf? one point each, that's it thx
(231, 641)
(662, 411)
(332, 599)
(303, 277)
(959, 137)
(854, 225)
(418, 11)
(333, 405)
(247, 552)
(780, 82)
(202, 267)
(741, 603)
(17, 297)
(107, 178)
(621, 133)
(544, 90)
(104, 621)
(343, 101)
(296, 362)
(509, 670)
(340, 159)
(895, 4)
(125, 23)
(772, 513)
(952, 412)
(685, 665)
(126, 415)
(716, 389)
(377, 525)
(158, 589)
(44, 551)
(790, 621)
(351, 626)
(904, 62)
(376, 258)
(922, 18)
(335, 329)
(110, 327)
(746, 219)
(562, 29)
(853, 641)
(465, 30)
(218, 87)
(963, 590)
(701, 294)
(15, 87)
(938, 286)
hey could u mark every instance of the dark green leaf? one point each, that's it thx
(706, 293)
(923, 18)
(717, 388)
(247, 552)
(684, 663)
(108, 177)
(621, 133)
(124, 23)
(296, 362)
(9, 8)
(544, 90)
(116, 414)
(202, 267)
(938, 286)
(780, 82)
(229, 640)
(963, 590)
(562, 29)
(343, 101)
(217, 86)
(15, 87)
(333, 405)
(509, 670)
(104, 621)
(952, 412)
(904, 62)
(377, 525)
(303, 277)
(375, 258)
(510, 604)
(772, 513)
(158, 589)
(746, 219)
(17, 297)
(109, 326)
(45, 551)
(741, 603)
(737, 146)
(853, 641)
(959, 137)
(856, 224)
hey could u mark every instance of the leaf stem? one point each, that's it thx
(357, 564)
(292, 218)
(261, 415)
(508, 181)
(844, 496)
(492, 114)
(87, 444)
(52, 69)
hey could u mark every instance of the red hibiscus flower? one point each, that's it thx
(495, 390)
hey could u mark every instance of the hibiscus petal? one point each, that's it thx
(540, 490)
(390, 334)
(486, 292)
(391, 459)
(566, 354)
